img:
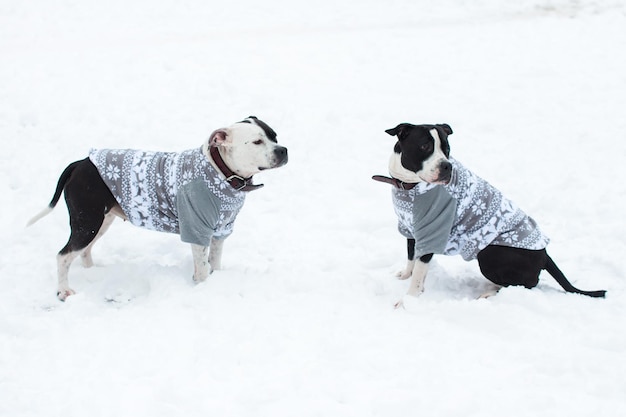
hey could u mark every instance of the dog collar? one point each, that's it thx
(236, 181)
(395, 182)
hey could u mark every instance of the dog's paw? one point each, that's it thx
(201, 276)
(407, 271)
(62, 294)
(488, 294)
(197, 279)
(408, 302)
(404, 274)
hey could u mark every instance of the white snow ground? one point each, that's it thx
(300, 322)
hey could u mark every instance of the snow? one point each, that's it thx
(300, 321)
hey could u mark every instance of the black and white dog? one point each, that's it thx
(443, 208)
(196, 193)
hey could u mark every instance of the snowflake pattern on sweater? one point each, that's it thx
(148, 186)
(483, 216)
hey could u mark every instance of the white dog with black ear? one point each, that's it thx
(195, 193)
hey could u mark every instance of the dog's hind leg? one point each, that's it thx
(506, 266)
(86, 258)
(490, 293)
(64, 260)
(88, 200)
(80, 239)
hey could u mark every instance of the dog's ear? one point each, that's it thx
(219, 137)
(246, 120)
(399, 130)
(446, 128)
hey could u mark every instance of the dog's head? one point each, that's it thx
(421, 153)
(248, 147)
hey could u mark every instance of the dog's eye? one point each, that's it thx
(426, 147)
(258, 142)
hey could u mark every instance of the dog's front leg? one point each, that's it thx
(201, 266)
(215, 254)
(410, 264)
(418, 276)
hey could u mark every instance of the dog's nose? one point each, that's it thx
(445, 172)
(281, 155)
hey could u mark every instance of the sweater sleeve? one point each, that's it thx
(198, 213)
(433, 217)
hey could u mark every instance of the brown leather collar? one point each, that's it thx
(237, 182)
(395, 182)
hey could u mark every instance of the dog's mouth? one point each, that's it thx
(280, 158)
(439, 180)
(442, 175)
(443, 180)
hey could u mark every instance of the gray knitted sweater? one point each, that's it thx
(170, 192)
(463, 217)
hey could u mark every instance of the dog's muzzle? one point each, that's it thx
(280, 156)
(445, 172)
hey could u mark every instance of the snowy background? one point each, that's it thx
(300, 321)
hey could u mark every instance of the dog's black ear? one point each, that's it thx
(446, 128)
(248, 121)
(398, 130)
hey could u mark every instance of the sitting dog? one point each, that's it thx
(444, 208)
(196, 193)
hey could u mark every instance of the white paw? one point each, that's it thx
(62, 294)
(411, 303)
(488, 294)
(403, 274)
(197, 279)
(202, 275)
(408, 302)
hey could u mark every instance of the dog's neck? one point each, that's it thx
(238, 182)
(209, 155)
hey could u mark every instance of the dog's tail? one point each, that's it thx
(57, 194)
(567, 286)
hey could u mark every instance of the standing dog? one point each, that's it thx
(196, 193)
(443, 208)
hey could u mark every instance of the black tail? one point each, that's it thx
(67, 172)
(567, 286)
